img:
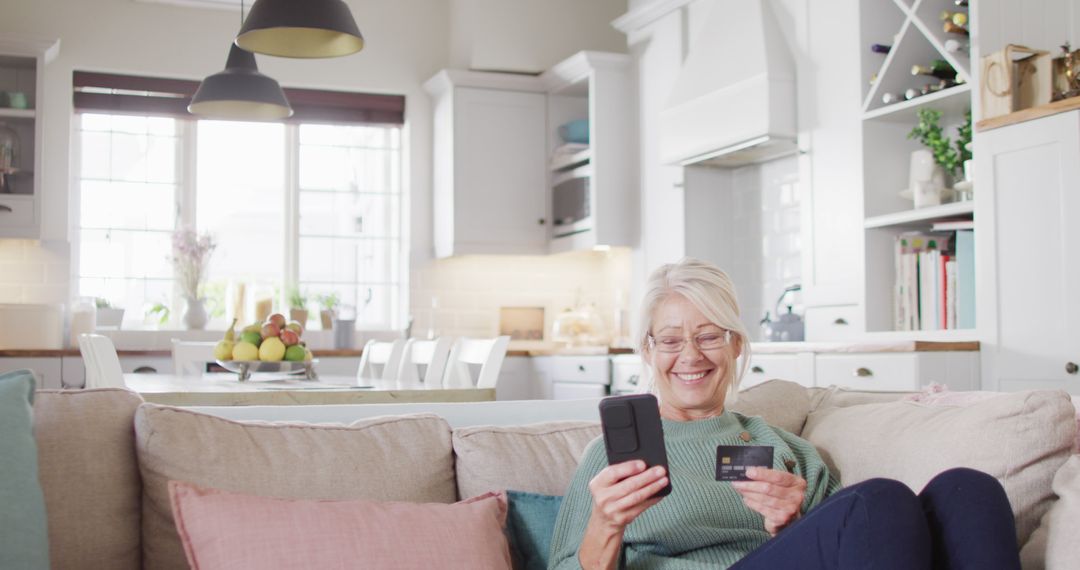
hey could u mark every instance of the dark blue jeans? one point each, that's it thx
(962, 519)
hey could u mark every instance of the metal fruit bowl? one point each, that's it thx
(245, 368)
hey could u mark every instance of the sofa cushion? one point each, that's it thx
(537, 458)
(1020, 438)
(393, 458)
(24, 540)
(781, 403)
(239, 531)
(1054, 545)
(86, 454)
(530, 523)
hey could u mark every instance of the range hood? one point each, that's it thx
(734, 100)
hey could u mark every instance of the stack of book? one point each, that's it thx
(935, 281)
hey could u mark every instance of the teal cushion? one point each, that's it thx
(530, 522)
(24, 541)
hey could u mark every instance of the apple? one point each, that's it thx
(289, 337)
(277, 319)
(295, 327)
(270, 330)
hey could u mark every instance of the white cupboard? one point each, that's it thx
(490, 171)
(1027, 178)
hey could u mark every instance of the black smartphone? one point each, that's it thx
(632, 430)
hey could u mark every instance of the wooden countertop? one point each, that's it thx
(1062, 106)
(54, 353)
(758, 347)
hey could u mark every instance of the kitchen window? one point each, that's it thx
(313, 205)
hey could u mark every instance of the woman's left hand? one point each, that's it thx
(777, 495)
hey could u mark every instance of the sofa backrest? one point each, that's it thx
(90, 477)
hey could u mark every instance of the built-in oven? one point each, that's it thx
(571, 201)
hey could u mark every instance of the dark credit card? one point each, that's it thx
(732, 460)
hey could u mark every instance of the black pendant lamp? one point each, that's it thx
(240, 92)
(300, 28)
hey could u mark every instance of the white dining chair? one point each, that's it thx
(101, 362)
(380, 361)
(431, 354)
(467, 353)
(190, 358)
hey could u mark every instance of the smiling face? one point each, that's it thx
(692, 383)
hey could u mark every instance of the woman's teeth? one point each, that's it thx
(690, 377)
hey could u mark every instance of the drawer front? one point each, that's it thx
(839, 322)
(591, 369)
(875, 372)
(772, 366)
(16, 212)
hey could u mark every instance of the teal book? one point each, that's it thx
(965, 279)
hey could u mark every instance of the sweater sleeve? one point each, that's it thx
(820, 483)
(576, 509)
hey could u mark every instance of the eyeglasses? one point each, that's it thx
(703, 342)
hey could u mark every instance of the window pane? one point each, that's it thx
(241, 198)
(125, 222)
(350, 219)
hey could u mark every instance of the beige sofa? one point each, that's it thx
(105, 457)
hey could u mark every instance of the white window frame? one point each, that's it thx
(185, 206)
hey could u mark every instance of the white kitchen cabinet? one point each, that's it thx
(798, 368)
(490, 166)
(597, 87)
(1027, 178)
(571, 377)
(22, 69)
(888, 372)
(47, 370)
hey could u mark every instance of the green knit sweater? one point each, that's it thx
(703, 523)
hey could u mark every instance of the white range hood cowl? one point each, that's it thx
(734, 101)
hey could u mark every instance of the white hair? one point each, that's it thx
(710, 291)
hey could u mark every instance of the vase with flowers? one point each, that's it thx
(190, 259)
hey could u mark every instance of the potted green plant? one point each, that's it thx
(298, 306)
(945, 155)
(328, 304)
(107, 315)
(159, 313)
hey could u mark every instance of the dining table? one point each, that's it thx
(224, 389)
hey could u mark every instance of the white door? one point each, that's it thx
(500, 178)
(1032, 176)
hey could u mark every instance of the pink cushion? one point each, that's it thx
(236, 531)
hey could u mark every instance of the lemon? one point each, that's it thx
(272, 349)
(245, 351)
(224, 350)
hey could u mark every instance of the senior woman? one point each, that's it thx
(791, 516)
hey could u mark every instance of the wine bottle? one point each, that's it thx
(961, 3)
(938, 68)
(953, 46)
(911, 94)
(873, 78)
(952, 28)
(958, 18)
(890, 98)
(880, 48)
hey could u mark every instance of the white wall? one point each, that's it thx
(407, 41)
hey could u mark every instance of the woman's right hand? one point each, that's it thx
(623, 491)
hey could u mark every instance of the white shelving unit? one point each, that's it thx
(917, 37)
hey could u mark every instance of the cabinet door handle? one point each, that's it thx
(5, 208)
(840, 321)
(757, 370)
(1071, 367)
(633, 379)
(581, 368)
(863, 372)
(145, 370)
(541, 221)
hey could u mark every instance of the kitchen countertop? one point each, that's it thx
(757, 347)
